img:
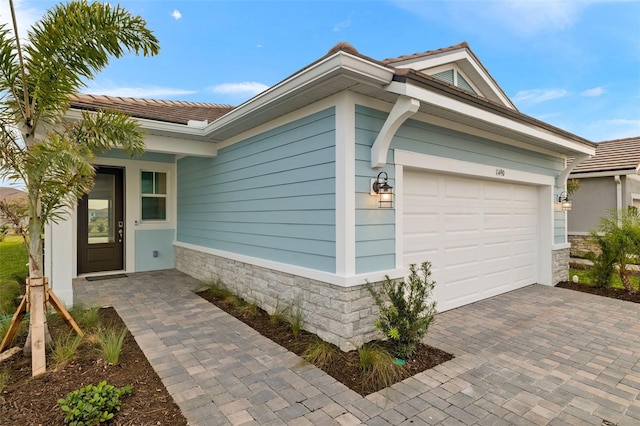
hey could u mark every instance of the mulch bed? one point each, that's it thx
(614, 293)
(344, 365)
(33, 401)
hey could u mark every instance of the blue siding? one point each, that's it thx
(375, 252)
(375, 227)
(271, 196)
(147, 241)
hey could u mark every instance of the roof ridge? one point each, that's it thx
(138, 101)
(462, 45)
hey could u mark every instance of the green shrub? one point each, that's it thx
(65, 347)
(217, 290)
(406, 309)
(296, 321)
(319, 353)
(618, 237)
(86, 319)
(280, 314)
(110, 342)
(10, 290)
(378, 367)
(92, 405)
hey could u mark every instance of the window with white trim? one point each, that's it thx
(153, 186)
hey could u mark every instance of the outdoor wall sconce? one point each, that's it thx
(384, 191)
(565, 202)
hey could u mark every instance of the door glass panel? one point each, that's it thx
(101, 218)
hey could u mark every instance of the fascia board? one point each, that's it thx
(340, 61)
(454, 105)
(178, 146)
(607, 173)
(159, 126)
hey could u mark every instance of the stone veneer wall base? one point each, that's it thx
(344, 316)
(560, 259)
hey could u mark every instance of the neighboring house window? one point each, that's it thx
(154, 195)
(454, 78)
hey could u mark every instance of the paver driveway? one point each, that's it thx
(538, 355)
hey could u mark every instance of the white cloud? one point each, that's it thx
(176, 14)
(615, 128)
(526, 18)
(342, 25)
(244, 88)
(258, 46)
(26, 16)
(138, 92)
(594, 92)
(536, 96)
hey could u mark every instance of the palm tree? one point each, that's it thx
(52, 156)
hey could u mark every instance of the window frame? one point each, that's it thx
(154, 195)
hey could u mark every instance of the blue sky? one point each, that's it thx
(573, 64)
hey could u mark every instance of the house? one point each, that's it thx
(609, 180)
(276, 196)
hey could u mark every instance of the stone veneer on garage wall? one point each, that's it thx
(343, 316)
(560, 260)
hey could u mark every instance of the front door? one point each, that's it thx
(101, 224)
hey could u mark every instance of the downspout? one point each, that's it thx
(618, 197)
(404, 108)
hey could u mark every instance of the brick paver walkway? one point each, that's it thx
(535, 356)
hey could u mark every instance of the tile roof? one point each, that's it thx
(179, 112)
(458, 46)
(618, 154)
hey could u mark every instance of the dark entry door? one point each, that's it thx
(101, 224)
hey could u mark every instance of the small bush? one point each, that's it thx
(248, 309)
(86, 319)
(110, 342)
(319, 353)
(217, 290)
(65, 347)
(378, 367)
(296, 321)
(280, 314)
(406, 310)
(92, 405)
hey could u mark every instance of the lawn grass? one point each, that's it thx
(13, 258)
(584, 278)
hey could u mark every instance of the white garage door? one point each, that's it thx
(481, 236)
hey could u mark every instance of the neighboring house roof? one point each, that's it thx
(179, 112)
(614, 155)
(343, 68)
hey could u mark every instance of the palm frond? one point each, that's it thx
(104, 130)
(73, 42)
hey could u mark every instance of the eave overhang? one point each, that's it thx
(455, 105)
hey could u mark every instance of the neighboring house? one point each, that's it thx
(274, 197)
(10, 195)
(610, 180)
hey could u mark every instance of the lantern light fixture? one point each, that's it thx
(384, 191)
(565, 202)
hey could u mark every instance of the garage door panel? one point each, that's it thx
(481, 237)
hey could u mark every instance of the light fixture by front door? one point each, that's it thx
(384, 191)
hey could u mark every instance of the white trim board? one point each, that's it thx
(466, 168)
(327, 277)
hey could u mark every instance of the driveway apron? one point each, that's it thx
(534, 356)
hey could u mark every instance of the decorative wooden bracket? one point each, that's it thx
(404, 108)
(562, 177)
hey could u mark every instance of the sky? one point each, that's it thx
(573, 64)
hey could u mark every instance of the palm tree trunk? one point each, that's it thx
(626, 282)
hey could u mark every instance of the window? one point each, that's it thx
(153, 186)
